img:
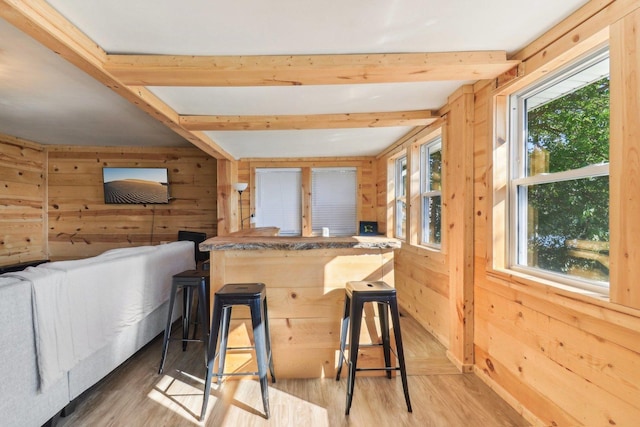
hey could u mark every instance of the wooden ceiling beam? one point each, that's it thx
(293, 70)
(309, 121)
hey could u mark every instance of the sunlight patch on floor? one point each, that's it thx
(244, 406)
(232, 403)
(184, 397)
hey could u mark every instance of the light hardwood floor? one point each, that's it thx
(135, 395)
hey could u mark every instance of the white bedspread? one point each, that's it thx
(51, 327)
(79, 306)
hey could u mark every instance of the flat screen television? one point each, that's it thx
(135, 185)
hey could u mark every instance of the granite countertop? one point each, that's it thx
(248, 243)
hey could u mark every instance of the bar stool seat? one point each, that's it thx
(188, 281)
(253, 295)
(357, 294)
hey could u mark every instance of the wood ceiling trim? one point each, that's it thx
(39, 20)
(317, 121)
(567, 25)
(293, 70)
(414, 136)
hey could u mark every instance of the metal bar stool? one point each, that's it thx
(253, 295)
(189, 281)
(357, 294)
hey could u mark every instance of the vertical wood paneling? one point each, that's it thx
(422, 275)
(306, 300)
(422, 283)
(414, 234)
(482, 166)
(306, 197)
(563, 358)
(458, 199)
(22, 201)
(81, 224)
(367, 175)
(384, 192)
(227, 197)
(625, 161)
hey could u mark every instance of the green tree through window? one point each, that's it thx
(574, 129)
(568, 219)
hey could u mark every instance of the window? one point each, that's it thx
(334, 196)
(559, 186)
(333, 200)
(431, 192)
(401, 198)
(278, 199)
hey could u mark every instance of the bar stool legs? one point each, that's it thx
(354, 345)
(260, 338)
(187, 301)
(213, 339)
(188, 281)
(395, 315)
(254, 296)
(386, 342)
(357, 293)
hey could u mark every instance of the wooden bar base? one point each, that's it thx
(305, 288)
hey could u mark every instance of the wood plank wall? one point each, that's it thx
(306, 298)
(421, 275)
(563, 358)
(23, 200)
(81, 224)
(625, 179)
(559, 357)
(457, 205)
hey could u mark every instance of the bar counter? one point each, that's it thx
(305, 279)
(248, 243)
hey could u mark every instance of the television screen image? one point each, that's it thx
(135, 185)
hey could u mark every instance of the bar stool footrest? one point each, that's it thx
(187, 340)
(241, 348)
(237, 374)
(379, 369)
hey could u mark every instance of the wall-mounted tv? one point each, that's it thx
(135, 185)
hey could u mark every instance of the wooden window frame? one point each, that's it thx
(507, 179)
(400, 198)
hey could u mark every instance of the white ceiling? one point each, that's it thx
(46, 99)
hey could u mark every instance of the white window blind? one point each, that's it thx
(333, 198)
(279, 200)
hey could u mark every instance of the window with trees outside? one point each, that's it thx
(401, 198)
(559, 185)
(431, 192)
